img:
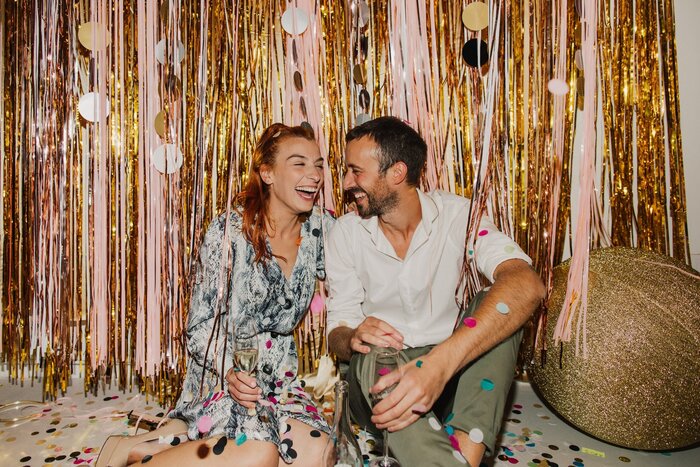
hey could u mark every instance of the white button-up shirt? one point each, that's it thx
(415, 295)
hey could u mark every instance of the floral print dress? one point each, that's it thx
(257, 290)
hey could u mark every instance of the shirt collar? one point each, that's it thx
(429, 212)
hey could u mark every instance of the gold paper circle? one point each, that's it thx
(640, 384)
(93, 36)
(359, 74)
(298, 82)
(475, 16)
(159, 124)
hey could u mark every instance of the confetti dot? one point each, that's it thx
(509, 248)
(241, 438)
(470, 322)
(449, 430)
(502, 308)
(26, 459)
(546, 455)
(204, 424)
(553, 447)
(175, 441)
(483, 232)
(315, 434)
(454, 442)
(268, 344)
(383, 371)
(487, 384)
(573, 447)
(48, 460)
(513, 460)
(146, 458)
(623, 459)
(419, 363)
(471, 252)
(459, 457)
(434, 424)
(449, 417)
(220, 445)
(476, 435)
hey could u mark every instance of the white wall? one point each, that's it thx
(688, 47)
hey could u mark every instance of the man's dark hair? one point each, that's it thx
(397, 142)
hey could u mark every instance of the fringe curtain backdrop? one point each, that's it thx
(127, 126)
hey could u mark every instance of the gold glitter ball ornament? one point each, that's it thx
(639, 385)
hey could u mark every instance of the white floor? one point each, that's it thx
(71, 430)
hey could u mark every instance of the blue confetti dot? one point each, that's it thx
(487, 384)
(419, 363)
(240, 439)
(450, 431)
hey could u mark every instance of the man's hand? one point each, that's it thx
(416, 392)
(374, 331)
(243, 388)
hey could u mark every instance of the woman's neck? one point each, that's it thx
(282, 223)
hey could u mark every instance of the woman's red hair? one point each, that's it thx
(255, 196)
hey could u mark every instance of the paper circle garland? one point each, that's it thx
(178, 54)
(475, 16)
(476, 53)
(93, 36)
(167, 158)
(558, 87)
(89, 107)
(295, 21)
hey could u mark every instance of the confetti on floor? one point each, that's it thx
(71, 430)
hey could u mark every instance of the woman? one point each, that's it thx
(275, 254)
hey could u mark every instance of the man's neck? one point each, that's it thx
(402, 220)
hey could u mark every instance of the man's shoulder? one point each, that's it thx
(448, 201)
(349, 219)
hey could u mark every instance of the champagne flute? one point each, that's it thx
(385, 361)
(245, 353)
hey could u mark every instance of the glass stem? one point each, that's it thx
(386, 444)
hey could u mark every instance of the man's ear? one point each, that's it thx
(266, 174)
(398, 172)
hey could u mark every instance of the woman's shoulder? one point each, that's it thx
(217, 227)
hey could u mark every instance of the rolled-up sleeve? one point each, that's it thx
(492, 247)
(345, 290)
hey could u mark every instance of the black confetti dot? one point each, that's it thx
(553, 447)
(48, 460)
(552, 464)
(302, 383)
(146, 458)
(26, 459)
(578, 459)
(267, 369)
(60, 458)
(475, 52)
(107, 398)
(546, 455)
(51, 430)
(160, 414)
(287, 441)
(365, 457)
(315, 434)
(274, 335)
(74, 454)
(292, 453)
(573, 447)
(272, 385)
(517, 412)
(536, 461)
(315, 232)
(220, 445)
(175, 441)
(34, 433)
(503, 457)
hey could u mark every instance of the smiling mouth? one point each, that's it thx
(307, 192)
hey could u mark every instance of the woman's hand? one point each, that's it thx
(243, 388)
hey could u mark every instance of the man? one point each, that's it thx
(393, 269)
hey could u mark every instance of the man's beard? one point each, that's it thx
(379, 202)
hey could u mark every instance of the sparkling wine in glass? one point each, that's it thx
(245, 354)
(385, 361)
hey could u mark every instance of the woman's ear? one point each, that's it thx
(266, 174)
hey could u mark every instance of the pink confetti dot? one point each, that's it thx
(204, 424)
(289, 374)
(272, 399)
(483, 232)
(513, 460)
(470, 322)
(311, 408)
(268, 344)
(454, 442)
(383, 371)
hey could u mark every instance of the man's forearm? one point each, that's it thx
(339, 342)
(514, 296)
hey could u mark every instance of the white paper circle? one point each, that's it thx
(557, 87)
(476, 435)
(434, 424)
(89, 107)
(295, 21)
(167, 158)
(362, 8)
(460, 458)
(160, 52)
(362, 118)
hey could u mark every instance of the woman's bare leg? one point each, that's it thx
(307, 442)
(214, 452)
